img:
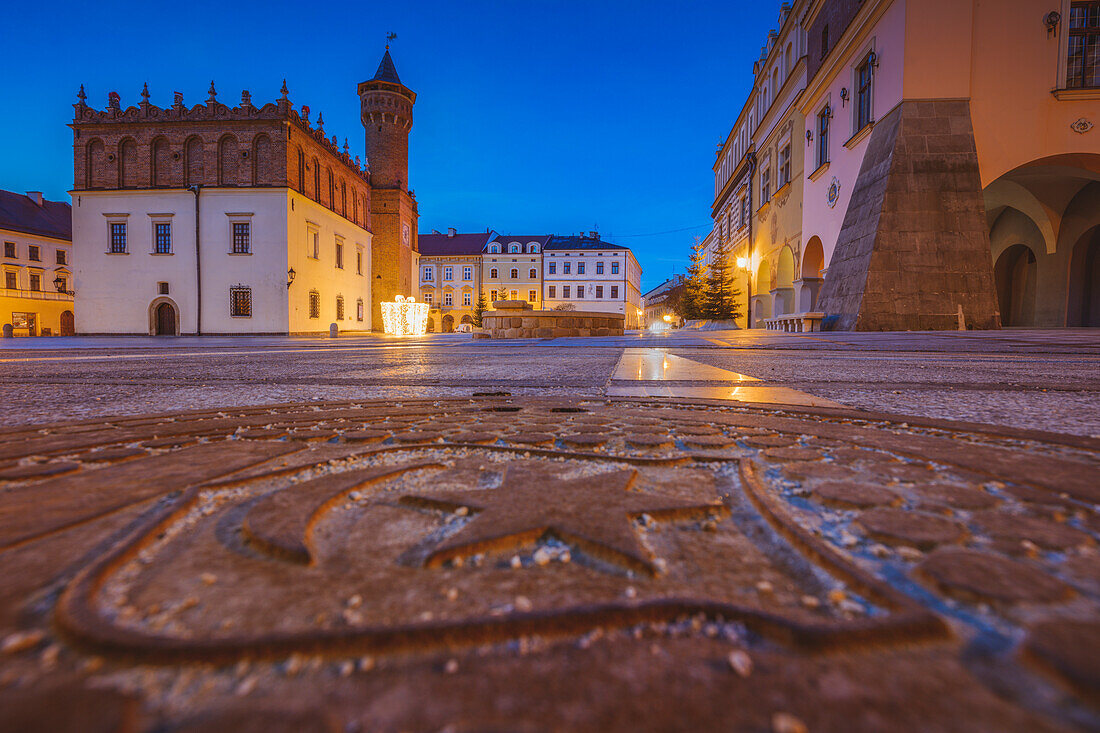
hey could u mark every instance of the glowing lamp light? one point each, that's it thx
(404, 317)
(667, 317)
(743, 263)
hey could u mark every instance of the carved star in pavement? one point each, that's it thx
(592, 513)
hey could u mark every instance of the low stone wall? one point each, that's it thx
(523, 323)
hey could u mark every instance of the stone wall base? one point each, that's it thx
(525, 323)
(915, 243)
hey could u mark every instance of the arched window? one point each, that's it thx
(515, 274)
(161, 162)
(513, 249)
(343, 198)
(95, 165)
(494, 250)
(227, 161)
(301, 171)
(316, 181)
(261, 160)
(331, 190)
(127, 164)
(193, 170)
(533, 274)
(493, 273)
(534, 248)
(354, 207)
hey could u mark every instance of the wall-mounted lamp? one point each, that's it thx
(809, 136)
(59, 283)
(743, 263)
(290, 277)
(872, 59)
(1051, 21)
(843, 96)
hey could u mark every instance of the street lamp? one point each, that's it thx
(59, 283)
(290, 277)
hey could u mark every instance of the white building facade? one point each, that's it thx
(589, 274)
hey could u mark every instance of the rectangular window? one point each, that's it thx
(162, 288)
(448, 273)
(314, 304)
(515, 295)
(467, 273)
(315, 245)
(785, 165)
(614, 292)
(242, 237)
(34, 253)
(1083, 62)
(493, 296)
(339, 308)
(62, 258)
(118, 237)
(553, 266)
(429, 274)
(62, 284)
(531, 296)
(766, 185)
(744, 211)
(358, 303)
(580, 292)
(339, 255)
(240, 302)
(447, 299)
(599, 268)
(427, 298)
(162, 238)
(599, 291)
(863, 95)
(565, 267)
(614, 268)
(565, 291)
(580, 268)
(36, 283)
(359, 265)
(467, 299)
(10, 281)
(823, 137)
(553, 292)
(9, 249)
(825, 41)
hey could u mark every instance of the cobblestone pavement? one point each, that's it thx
(1035, 379)
(542, 563)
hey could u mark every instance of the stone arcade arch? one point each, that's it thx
(1083, 306)
(1016, 275)
(164, 317)
(783, 290)
(431, 325)
(448, 323)
(762, 299)
(808, 286)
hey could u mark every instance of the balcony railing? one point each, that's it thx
(33, 294)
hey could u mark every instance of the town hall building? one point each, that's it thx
(250, 219)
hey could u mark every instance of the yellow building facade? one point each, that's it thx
(36, 293)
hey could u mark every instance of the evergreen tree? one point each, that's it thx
(721, 300)
(480, 306)
(695, 284)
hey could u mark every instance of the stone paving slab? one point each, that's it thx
(584, 564)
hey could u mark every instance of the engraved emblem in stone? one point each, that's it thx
(1080, 125)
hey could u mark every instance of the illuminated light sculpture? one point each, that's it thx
(404, 317)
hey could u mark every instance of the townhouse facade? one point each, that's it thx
(512, 268)
(587, 273)
(36, 296)
(450, 277)
(950, 170)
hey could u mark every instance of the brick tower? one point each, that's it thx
(386, 111)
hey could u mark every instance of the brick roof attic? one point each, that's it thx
(451, 244)
(541, 239)
(32, 214)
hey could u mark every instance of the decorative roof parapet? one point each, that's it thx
(213, 111)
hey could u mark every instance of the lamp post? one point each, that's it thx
(59, 283)
(290, 277)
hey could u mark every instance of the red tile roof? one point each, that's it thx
(20, 213)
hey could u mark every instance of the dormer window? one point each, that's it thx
(513, 249)
(534, 248)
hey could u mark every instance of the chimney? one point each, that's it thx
(35, 196)
(435, 231)
(451, 231)
(594, 235)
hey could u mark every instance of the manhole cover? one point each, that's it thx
(527, 564)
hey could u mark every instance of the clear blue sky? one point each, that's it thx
(531, 116)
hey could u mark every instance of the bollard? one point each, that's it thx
(962, 319)
(333, 330)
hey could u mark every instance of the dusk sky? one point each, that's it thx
(531, 117)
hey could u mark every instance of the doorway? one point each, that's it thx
(166, 320)
(68, 324)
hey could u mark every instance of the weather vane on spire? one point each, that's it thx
(391, 36)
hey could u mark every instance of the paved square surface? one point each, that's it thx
(703, 531)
